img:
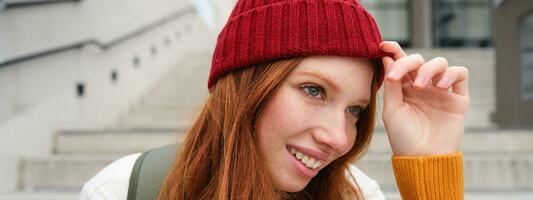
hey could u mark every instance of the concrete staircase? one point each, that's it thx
(157, 118)
(79, 154)
(161, 118)
(498, 163)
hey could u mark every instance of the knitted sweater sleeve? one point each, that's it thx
(430, 177)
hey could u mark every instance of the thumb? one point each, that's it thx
(392, 95)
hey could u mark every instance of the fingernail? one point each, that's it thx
(420, 81)
(443, 83)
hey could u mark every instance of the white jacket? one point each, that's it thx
(112, 182)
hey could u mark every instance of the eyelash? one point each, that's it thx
(359, 111)
(322, 90)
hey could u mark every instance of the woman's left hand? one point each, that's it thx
(425, 103)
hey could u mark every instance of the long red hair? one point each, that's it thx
(220, 157)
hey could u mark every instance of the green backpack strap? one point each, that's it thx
(149, 172)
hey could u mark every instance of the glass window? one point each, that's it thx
(461, 23)
(526, 56)
(392, 17)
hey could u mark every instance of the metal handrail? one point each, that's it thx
(98, 43)
(9, 4)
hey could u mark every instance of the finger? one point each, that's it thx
(394, 48)
(429, 70)
(405, 65)
(457, 77)
(392, 94)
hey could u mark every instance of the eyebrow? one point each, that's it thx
(330, 83)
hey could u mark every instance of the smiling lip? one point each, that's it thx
(313, 153)
(301, 168)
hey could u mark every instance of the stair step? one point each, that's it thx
(61, 171)
(169, 108)
(474, 141)
(151, 123)
(165, 115)
(482, 171)
(482, 141)
(41, 195)
(115, 141)
(172, 100)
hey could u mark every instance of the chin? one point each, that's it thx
(293, 187)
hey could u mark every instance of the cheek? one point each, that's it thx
(352, 137)
(284, 116)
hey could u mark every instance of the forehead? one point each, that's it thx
(347, 73)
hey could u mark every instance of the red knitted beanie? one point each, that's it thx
(259, 31)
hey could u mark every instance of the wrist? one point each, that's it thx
(426, 152)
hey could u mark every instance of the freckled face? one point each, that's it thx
(311, 119)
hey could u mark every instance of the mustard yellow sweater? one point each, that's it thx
(430, 177)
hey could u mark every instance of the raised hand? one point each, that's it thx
(425, 103)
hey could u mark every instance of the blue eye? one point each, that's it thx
(355, 111)
(312, 90)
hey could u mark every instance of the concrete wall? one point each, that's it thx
(29, 29)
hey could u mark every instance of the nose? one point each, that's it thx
(332, 131)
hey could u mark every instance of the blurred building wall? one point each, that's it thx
(434, 23)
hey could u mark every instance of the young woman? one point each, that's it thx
(292, 106)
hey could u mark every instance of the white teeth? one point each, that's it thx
(317, 164)
(311, 163)
(306, 160)
(299, 155)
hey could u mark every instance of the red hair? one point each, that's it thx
(220, 157)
